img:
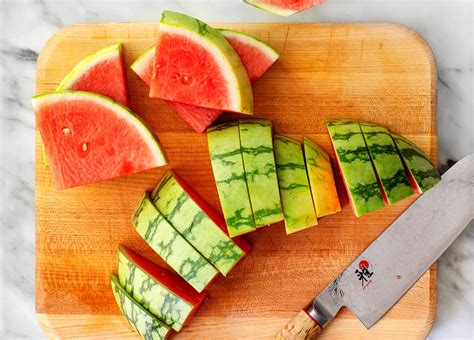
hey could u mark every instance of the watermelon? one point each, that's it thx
(102, 72)
(171, 246)
(298, 207)
(195, 226)
(321, 179)
(256, 56)
(260, 171)
(229, 174)
(423, 174)
(387, 163)
(141, 320)
(162, 293)
(89, 137)
(356, 167)
(283, 7)
(194, 64)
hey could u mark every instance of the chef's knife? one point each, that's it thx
(381, 274)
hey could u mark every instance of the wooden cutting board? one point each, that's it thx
(378, 72)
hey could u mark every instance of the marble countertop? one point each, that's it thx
(25, 25)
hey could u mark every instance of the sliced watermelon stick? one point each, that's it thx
(283, 7)
(89, 137)
(102, 72)
(162, 293)
(141, 320)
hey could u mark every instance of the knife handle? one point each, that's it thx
(302, 326)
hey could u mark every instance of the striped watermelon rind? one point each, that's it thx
(321, 179)
(141, 320)
(417, 163)
(296, 199)
(171, 246)
(387, 162)
(195, 225)
(280, 10)
(229, 175)
(260, 171)
(356, 167)
(153, 295)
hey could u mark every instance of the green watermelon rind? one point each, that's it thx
(195, 226)
(142, 60)
(272, 9)
(86, 64)
(270, 52)
(231, 65)
(173, 248)
(151, 294)
(141, 320)
(119, 109)
(386, 161)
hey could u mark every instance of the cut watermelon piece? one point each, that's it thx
(141, 320)
(257, 57)
(298, 206)
(195, 226)
(171, 246)
(423, 174)
(162, 293)
(102, 72)
(283, 7)
(194, 64)
(229, 174)
(260, 170)
(89, 137)
(387, 162)
(355, 166)
(321, 179)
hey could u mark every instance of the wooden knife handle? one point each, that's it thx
(302, 326)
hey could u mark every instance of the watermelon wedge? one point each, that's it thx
(257, 57)
(283, 7)
(194, 64)
(89, 137)
(162, 293)
(141, 320)
(102, 72)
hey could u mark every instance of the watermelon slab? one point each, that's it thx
(162, 293)
(102, 72)
(423, 174)
(229, 175)
(171, 246)
(283, 7)
(194, 64)
(195, 226)
(256, 56)
(321, 179)
(89, 137)
(298, 207)
(141, 320)
(356, 166)
(387, 162)
(260, 170)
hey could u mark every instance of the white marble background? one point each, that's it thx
(25, 25)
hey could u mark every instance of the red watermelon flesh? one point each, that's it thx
(103, 73)
(211, 213)
(89, 137)
(284, 7)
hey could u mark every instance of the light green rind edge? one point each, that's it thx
(161, 330)
(137, 64)
(270, 9)
(228, 54)
(252, 41)
(84, 65)
(118, 108)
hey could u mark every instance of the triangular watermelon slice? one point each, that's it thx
(283, 7)
(256, 56)
(194, 64)
(102, 72)
(89, 137)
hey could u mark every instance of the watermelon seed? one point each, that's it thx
(186, 80)
(66, 131)
(84, 147)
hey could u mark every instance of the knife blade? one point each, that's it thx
(391, 264)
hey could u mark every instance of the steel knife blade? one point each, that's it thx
(391, 264)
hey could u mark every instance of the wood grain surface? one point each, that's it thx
(379, 72)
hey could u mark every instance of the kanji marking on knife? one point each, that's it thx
(364, 274)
